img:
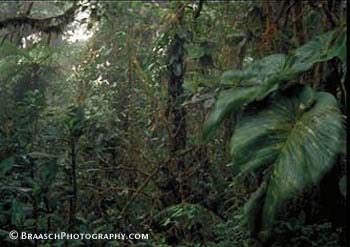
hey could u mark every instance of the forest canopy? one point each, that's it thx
(173, 123)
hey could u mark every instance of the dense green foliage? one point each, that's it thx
(199, 123)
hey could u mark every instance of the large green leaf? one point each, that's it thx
(297, 135)
(228, 101)
(255, 83)
(267, 75)
(257, 72)
(321, 48)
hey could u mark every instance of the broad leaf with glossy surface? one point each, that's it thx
(298, 135)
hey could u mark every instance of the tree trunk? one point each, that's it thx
(176, 112)
(73, 183)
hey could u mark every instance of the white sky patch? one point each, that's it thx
(34, 38)
(100, 81)
(78, 31)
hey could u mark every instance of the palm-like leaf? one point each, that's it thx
(17, 64)
(298, 135)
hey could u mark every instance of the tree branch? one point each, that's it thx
(47, 25)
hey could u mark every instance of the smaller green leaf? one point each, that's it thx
(195, 52)
(191, 86)
(41, 155)
(6, 165)
(257, 73)
(321, 48)
(227, 102)
(342, 186)
(18, 215)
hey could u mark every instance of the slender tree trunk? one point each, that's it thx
(34, 203)
(177, 112)
(73, 183)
